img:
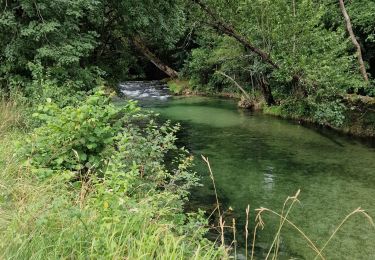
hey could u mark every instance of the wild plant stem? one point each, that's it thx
(314, 247)
(276, 240)
(253, 242)
(247, 230)
(205, 159)
(358, 210)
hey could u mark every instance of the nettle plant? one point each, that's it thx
(73, 138)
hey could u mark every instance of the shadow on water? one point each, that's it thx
(330, 138)
(261, 160)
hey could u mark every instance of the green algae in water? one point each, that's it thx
(260, 160)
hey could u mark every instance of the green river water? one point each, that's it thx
(261, 160)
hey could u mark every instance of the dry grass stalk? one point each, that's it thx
(356, 211)
(276, 242)
(254, 238)
(234, 237)
(312, 245)
(9, 115)
(221, 222)
(247, 230)
(261, 223)
(283, 219)
(222, 225)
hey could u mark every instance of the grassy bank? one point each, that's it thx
(115, 214)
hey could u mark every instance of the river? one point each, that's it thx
(260, 160)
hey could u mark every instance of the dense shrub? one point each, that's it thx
(132, 207)
(73, 137)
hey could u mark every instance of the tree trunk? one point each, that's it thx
(266, 91)
(354, 40)
(138, 43)
(230, 31)
(237, 85)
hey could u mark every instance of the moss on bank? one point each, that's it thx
(360, 116)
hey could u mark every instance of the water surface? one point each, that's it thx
(261, 160)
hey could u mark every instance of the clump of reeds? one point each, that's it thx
(10, 114)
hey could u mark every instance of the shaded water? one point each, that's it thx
(260, 160)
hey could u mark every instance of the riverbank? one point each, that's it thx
(359, 115)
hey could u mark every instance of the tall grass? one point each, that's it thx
(10, 115)
(41, 221)
(46, 221)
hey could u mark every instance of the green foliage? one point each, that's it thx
(296, 40)
(74, 43)
(362, 15)
(114, 216)
(132, 208)
(218, 53)
(296, 35)
(178, 86)
(113, 181)
(326, 110)
(74, 137)
(45, 40)
(99, 137)
(333, 114)
(296, 108)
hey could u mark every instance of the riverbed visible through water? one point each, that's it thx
(260, 160)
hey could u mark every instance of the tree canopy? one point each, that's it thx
(286, 50)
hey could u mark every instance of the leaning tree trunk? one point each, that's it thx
(229, 30)
(354, 40)
(237, 85)
(138, 43)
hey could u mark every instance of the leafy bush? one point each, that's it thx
(133, 209)
(323, 109)
(74, 137)
(218, 53)
(296, 108)
(331, 113)
(97, 136)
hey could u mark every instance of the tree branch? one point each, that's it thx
(138, 43)
(349, 27)
(228, 29)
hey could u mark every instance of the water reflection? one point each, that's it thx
(268, 179)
